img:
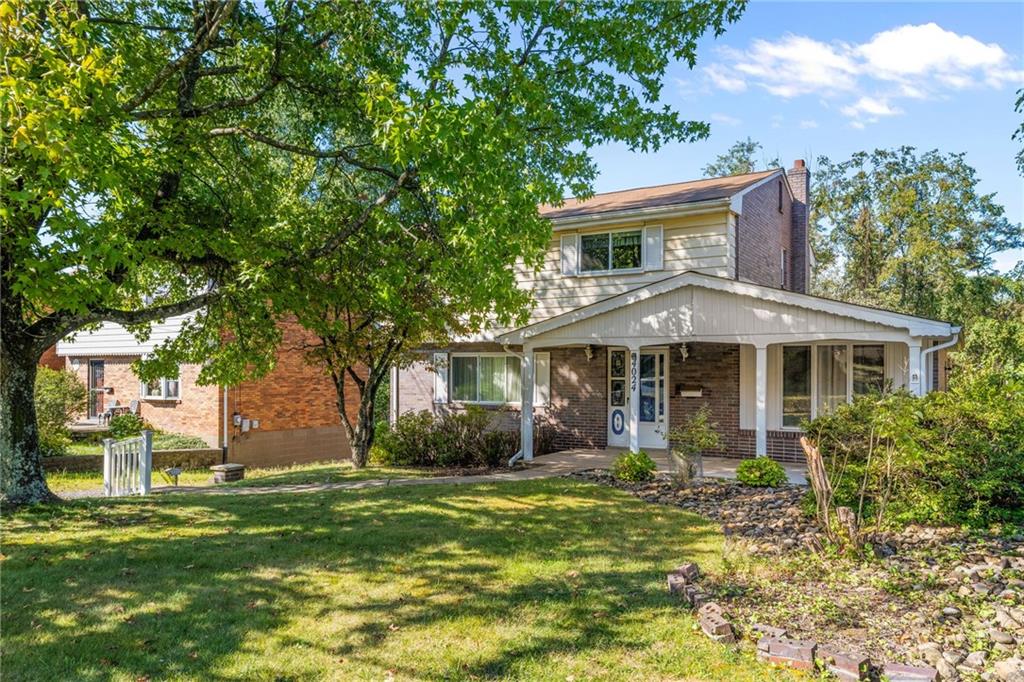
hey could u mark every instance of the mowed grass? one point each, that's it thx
(317, 472)
(534, 580)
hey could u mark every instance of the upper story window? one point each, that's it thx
(489, 378)
(780, 196)
(610, 251)
(784, 258)
(817, 378)
(161, 389)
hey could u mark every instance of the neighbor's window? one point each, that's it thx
(488, 378)
(830, 374)
(611, 251)
(796, 385)
(161, 389)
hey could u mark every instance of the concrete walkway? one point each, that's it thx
(545, 466)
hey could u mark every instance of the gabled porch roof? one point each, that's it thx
(693, 305)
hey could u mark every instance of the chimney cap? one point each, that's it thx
(799, 163)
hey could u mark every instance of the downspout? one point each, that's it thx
(519, 454)
(945, 344)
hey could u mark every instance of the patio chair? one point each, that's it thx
(108, 413)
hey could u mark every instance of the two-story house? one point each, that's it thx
(653, 302)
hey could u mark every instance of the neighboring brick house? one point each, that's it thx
(288, 416)
(653, 302)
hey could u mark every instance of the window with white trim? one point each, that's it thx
(160, 389)
(486, 378)
(611, 251)
(816, 378)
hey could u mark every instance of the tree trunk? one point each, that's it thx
(21, 468)
(366, 427)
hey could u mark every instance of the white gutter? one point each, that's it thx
(225, 442)
(945, 344)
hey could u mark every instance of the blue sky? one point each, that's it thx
(830, 79)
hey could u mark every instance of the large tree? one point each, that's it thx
(541, 83)
(166, 157)
(739, 159)
(911, 232)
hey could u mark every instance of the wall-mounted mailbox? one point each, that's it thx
(689, 390)
(245, 425)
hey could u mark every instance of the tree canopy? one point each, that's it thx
(909, 231)
(739, 159)
(169, 157)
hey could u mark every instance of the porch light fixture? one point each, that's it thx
(589, 350)
(683, 352)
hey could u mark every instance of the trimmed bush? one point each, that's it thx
(462, 439)
(761, 472)
(60, 396)
(634, 467)
(125, 426)
(177, 441)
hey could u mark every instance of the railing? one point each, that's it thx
(128, 465)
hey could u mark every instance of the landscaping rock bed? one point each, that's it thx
(928, 598)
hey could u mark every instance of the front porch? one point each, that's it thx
(626, 371)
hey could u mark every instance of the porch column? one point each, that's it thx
(526, 422)
(915, 384)
(634, 398)
(761, 403)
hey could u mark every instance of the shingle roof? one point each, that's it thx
(657, 196)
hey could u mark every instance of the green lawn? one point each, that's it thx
(317, 472)
(536, 580)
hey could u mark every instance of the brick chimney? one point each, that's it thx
(800, 182)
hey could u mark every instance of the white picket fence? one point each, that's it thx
(128, 465)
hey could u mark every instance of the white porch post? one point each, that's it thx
(914, 378)
(761, 392)
(526, 422)
(634, 398)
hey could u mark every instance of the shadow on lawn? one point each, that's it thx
(178, 585)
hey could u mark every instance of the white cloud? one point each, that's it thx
(871, 106)
(911, 62)
(726, 119)
(721, 79)
(808, 123)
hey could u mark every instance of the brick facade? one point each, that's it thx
(195, 413)
(579, 402)
(715, 367)
(763, 231)
(295, 405)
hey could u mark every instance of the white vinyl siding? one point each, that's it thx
(700, 243)
(113, 339)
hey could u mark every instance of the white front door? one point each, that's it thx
(652, 376)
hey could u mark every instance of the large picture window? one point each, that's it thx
(161, 389)
(818, 378)
(486, 378)
(608, 251)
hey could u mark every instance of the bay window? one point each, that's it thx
(608, 251)
(817, 378)
(489, 378)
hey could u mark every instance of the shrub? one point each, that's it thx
(633, 467)
(60, 396)
(125, 426)
(462, 439)
(761, 472)
(953, 457)
(695, 435)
